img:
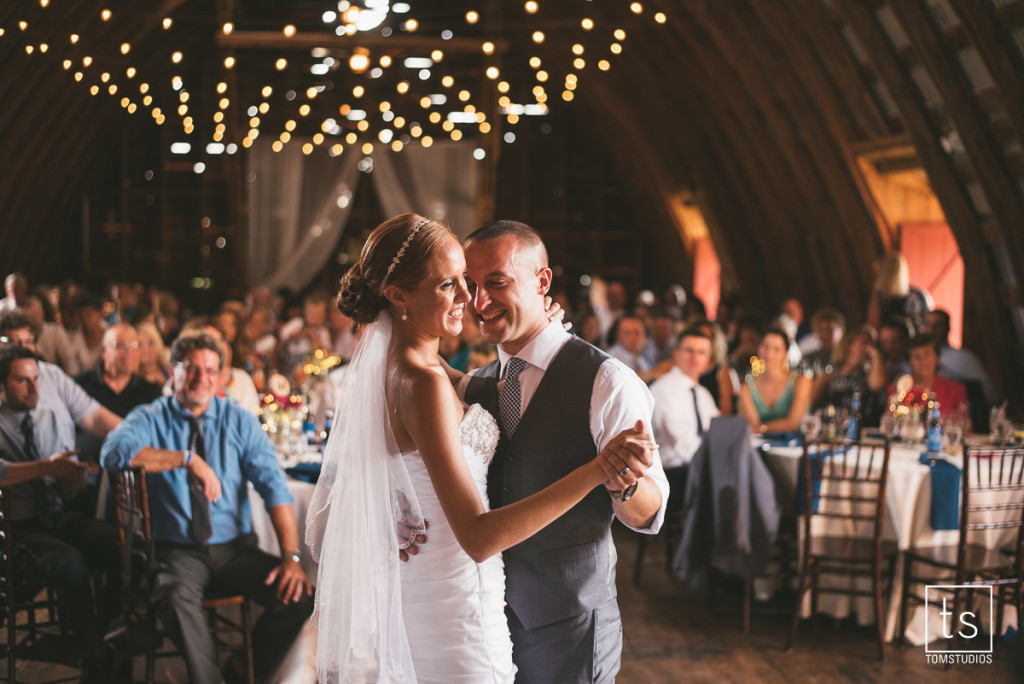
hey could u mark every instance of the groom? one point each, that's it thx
(559, 401)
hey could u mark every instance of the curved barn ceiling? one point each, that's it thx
(775, 119)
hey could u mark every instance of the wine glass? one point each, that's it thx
(810, 426)
(888, 425)
(952, 433)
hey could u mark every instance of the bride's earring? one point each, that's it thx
(405, 314)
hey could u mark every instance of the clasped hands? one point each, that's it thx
(627, 457)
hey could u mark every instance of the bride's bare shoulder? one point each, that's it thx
(417, 381)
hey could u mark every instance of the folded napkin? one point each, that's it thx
(815, 481)
(945, 493)
(307, 472)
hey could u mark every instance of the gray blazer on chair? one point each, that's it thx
(732, 514)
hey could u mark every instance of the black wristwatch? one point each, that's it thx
(625, 494)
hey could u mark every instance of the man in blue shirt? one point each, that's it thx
(200, 451)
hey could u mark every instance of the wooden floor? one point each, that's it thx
(672, 636)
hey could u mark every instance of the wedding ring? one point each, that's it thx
(622, 473)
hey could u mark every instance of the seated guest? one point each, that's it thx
(748, 335)
(588, 328)
(683, 409)
(828, 326)
(16, 289)
(234, 383)
(57, 391)
(792, 312)
(631, 341)
(303, 335)
(114, 382)
(856, 368)
(52, 544)
(924, 365)
(200, 453)
(719, 378)
(775, 399)
(892, 344)
(53, 344)
(662, 342)
(958, 364)
(152, 355)
(87, 341)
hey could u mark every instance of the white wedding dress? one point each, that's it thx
(454, 608)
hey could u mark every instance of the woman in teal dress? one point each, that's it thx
(774, 397)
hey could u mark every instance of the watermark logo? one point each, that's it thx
(957, 636)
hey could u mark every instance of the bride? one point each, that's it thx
(404, 451)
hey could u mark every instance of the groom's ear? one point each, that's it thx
(544, 280)
(396, 296)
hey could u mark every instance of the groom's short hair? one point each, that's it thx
(525, 236)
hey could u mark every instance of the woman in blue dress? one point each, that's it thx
(774, 397)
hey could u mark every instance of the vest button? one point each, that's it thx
(506, 490)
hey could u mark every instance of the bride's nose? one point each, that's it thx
(462, 295)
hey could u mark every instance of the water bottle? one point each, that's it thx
(934, 429)
(328, 424)
(309, 428)
(853, 427)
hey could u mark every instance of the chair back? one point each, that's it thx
(7, 560)
(992, 499)
(844, 488)
(131, 513)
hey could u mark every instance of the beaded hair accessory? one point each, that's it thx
(401, 252)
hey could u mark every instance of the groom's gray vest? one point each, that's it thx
(568, 568)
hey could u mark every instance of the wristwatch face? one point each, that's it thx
(629, 491)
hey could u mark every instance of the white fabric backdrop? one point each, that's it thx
(299, 205)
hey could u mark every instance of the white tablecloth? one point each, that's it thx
(299, 666)
(908, 504)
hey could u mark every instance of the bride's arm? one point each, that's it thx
(431, 417)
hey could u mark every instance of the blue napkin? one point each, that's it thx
(945, 493)
(307, 472)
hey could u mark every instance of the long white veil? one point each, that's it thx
(363, 491)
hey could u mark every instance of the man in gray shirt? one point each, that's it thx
(71, 404)
(52, 545)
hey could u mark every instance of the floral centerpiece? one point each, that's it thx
(909, 405)
(282, 413)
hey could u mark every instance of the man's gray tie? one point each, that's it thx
(510, 396)
(49, 505)
(202, 525)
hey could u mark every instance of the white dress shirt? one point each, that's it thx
(675, 422)
(618, 400)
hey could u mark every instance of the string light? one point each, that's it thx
(472, 17)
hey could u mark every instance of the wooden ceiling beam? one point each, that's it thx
(812, 88)
(803, 147)
(1003, 197)
(749, 154)
(1000, 56)
(848, 76)
(986, 328)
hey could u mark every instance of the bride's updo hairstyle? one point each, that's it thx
(398, 252)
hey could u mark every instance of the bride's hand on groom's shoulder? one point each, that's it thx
(626, 458)
(555, 311)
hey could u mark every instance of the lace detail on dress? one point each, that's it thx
(479, 432)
